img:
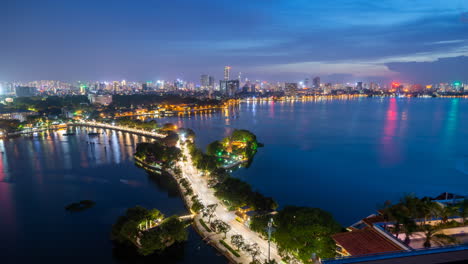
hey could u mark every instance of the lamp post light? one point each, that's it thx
(270, 224)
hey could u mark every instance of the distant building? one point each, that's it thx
(20, 115)
(144, 87)
(227, 73)
(100, 99)
(230, 87)
(204, 81)
(25, 91)
(290, 89)
(316, 82)
(359, 86)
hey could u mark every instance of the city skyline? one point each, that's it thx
(351, 41)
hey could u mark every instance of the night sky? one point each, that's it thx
(340, 40)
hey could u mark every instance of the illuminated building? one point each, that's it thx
(229, 87)
(290, 89)
(227, 73)
(100, 99)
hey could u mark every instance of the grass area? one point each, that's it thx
(234, 252)
(204, 225)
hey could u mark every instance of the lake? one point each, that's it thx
(344, 156)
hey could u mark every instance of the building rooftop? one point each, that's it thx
(447, 255)
(373, 219)
(365, 241)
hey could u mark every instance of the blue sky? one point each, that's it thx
(340, 40)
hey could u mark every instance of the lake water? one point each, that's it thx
(349, 156)
(345, 156)
(40, 175)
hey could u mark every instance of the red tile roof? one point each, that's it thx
(365, 241)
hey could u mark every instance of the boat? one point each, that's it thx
(69, 134)
(93, 134)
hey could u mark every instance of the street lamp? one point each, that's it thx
(270, 224)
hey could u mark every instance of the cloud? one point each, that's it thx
(440, 70)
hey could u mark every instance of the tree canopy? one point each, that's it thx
(301, 231)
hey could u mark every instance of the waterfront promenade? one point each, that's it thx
(206, 195)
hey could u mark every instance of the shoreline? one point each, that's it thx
(187, 202)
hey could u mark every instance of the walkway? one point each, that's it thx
(119, 128)
(207, 197)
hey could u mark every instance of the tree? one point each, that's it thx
(409, 227)
(433, 234)
(155, 214)
(197, 206)
(463, 209)
(209, 211)
(238, 241)
(253, 250)
(302, 231)
(221, 227)
(170, 231)
(215, 148)
(447, 211)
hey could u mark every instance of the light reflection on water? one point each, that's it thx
(41, 174)
(362, 151)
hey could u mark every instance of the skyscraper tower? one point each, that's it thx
(227, 72)
(316, 82)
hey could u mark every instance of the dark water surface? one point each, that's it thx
(40, 175)
(345, 156)
(350, 156)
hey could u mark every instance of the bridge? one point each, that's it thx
(37, 130)
(119, 128)
(155, 223)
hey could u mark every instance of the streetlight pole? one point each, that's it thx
(270, 224)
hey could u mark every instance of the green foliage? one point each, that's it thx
(152, 99)
(137, 124)
(220, 227)
(50, 104)
(238, 193)
(126, 226)
(157, 152)
(9, 125)
(228, 247)
(205, 226)
(215, 148)
(170, 231)
(238, 241)
(301, 231)
(197, 206)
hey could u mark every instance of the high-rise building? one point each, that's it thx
(207, 82)
(25, 91)
(290, 89)
(316, 82)
(306, 83)
(211, 82)
(359, 86)
(116, 87)
(229, 87)
(204, 81)
(227, 73)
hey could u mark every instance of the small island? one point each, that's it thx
(80, 206)
(148, 231)
(237, 148)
